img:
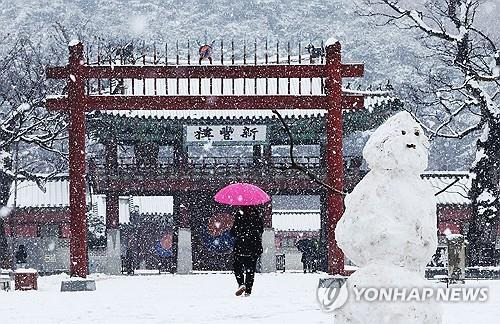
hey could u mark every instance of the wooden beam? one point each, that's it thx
(352, 102)
(206, 71)
(204, 102)
(57, 103)
(352, 70)
(59, 72)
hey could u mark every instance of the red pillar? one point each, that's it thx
(334, 158)
(76, 96)
(111, 155)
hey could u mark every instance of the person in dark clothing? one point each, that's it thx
(21, 254)
(306, 261)
(309, 251)
(129, 261)
(247, 231)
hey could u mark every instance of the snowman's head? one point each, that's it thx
(398, 144)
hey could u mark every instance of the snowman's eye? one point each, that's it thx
(403, 132)
(417, 133)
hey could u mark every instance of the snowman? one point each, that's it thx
(389, 226)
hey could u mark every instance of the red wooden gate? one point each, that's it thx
(77, 103)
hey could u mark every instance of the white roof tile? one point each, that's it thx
(153, 204)
(296, 220)
(29, 194)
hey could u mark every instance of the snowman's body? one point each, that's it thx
(387, 219)
(389, 225)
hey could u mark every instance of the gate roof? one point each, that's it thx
(371, 102)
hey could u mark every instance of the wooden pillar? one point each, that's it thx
(180, 152)
(268, 215)
(112, 211)
(323, 238)
(257, 155)
(334, 160)
(183, 249)
(183, 211)
(111, 155)
(322, 155)
(267, 154)
(76, 98)
(176, 224)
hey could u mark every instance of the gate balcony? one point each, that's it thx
(203, 172)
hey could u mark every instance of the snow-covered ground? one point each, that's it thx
(200, 298)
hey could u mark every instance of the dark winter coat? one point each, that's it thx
(247, 232)
(21, 254)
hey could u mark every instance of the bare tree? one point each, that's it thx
(24, 122)
(463, 95)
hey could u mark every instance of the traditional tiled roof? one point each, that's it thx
(153, 204)
(56, 195)
(457, 193)
(215, 114)
(30, 195)
(296, 220)
(370, 103)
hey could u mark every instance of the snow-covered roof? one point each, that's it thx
(456, 194)
(216, 114)
(296, 220)
(370, 103)
(30, 195)
(56, 194)
(146, 205)
(153, 204)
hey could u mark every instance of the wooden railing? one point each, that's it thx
(203, 165)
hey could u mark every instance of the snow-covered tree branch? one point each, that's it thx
(462, 93)
(26, 128)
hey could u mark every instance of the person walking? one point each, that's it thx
(247, 232)
(247, 229)
(306, 261)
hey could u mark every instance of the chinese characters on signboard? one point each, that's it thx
(226, 133)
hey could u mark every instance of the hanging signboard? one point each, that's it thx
(230, 134)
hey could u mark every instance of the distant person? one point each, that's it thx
(306, 262)
(129, 261)
(247, 231)
(21, 255)
(309, 251)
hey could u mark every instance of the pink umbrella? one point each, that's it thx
(242, 194)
